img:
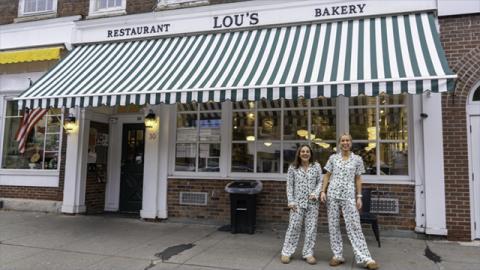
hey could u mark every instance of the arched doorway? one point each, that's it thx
(473, 121)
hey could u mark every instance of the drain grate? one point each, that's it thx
(193, 198)
(384, 206)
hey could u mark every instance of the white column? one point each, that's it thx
(75, 166)
(166, 125)
(417, 160)
(435, 217)
(150, 170)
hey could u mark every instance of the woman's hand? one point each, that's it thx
(359, 203)
(292, 206)
(323, 197)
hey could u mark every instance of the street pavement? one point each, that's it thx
(32, 240)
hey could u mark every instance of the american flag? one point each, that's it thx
(30, 118)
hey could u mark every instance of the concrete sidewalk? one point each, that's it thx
(48, 241)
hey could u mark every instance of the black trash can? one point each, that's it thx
(243, 196)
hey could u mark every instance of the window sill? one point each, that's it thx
(165, 6)
(35, 16)
(31, 178)
(106, 13)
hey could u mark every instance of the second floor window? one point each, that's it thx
(37, 6)
(105, 4)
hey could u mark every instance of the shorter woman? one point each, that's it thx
(343, 179)
(303, 188)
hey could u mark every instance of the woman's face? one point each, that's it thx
(345, 143)
(305, 154)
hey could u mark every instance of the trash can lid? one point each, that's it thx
(244, 187)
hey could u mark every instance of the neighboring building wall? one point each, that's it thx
(8, 11)
(460, 37)
(72, 7)
(272, 203)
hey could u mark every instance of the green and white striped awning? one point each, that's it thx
(391, 54)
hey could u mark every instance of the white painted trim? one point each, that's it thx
(36, 25)
(26, 178)
(417, 162)
(434, 164)
(167, 116)
(473, 109)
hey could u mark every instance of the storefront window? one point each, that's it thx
(269, 133)
(198, 137)
(42, 149)
(379, 129)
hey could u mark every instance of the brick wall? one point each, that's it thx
(8, 11)
(460, 37)
(272, 201)
(72, 7)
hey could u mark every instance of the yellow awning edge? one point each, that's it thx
(30, 55)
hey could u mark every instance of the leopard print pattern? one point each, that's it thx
(353, 226)
(310, 215)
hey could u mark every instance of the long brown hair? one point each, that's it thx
(296, 163)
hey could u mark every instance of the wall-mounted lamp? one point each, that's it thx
(70, 123)
(150, 119)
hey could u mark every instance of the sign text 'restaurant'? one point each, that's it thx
(138, 30)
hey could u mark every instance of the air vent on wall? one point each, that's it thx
(384, 206)
(193, 198)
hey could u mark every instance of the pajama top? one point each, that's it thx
(342, 181)
(301, 183)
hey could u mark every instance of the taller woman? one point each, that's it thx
(303, 188)
(343, 179)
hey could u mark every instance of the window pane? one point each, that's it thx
(41, 5)
(323, 124)
(295, 125)
(11, 158)
(118, 3)
(111, 3)
(268, 157)
(244, 105)
(393, 123)
(393, 99)
(476, 95)
(12, 108)
(296, 103)
(209, 158)
(210, 124)
(187, 127)
(187, 107)
(362, 101)
(243, 126)
(185, 156)
(52, 142)
(269, 104)
(393, 159)
(211, 106)
(323, 102)
(362, 124)
(30, 6)
(242, 157)
(101, 4)
(369, 155)
(269, 125)
(51, 160)
(322, 151)
(53, 124)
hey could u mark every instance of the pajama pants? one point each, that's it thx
(310, 215)
(354, 229)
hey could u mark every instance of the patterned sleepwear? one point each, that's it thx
(300, 184)
(341, 197)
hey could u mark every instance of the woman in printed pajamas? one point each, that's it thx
(303, 188)
(343, 179)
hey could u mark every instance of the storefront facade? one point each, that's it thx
(234, 89)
